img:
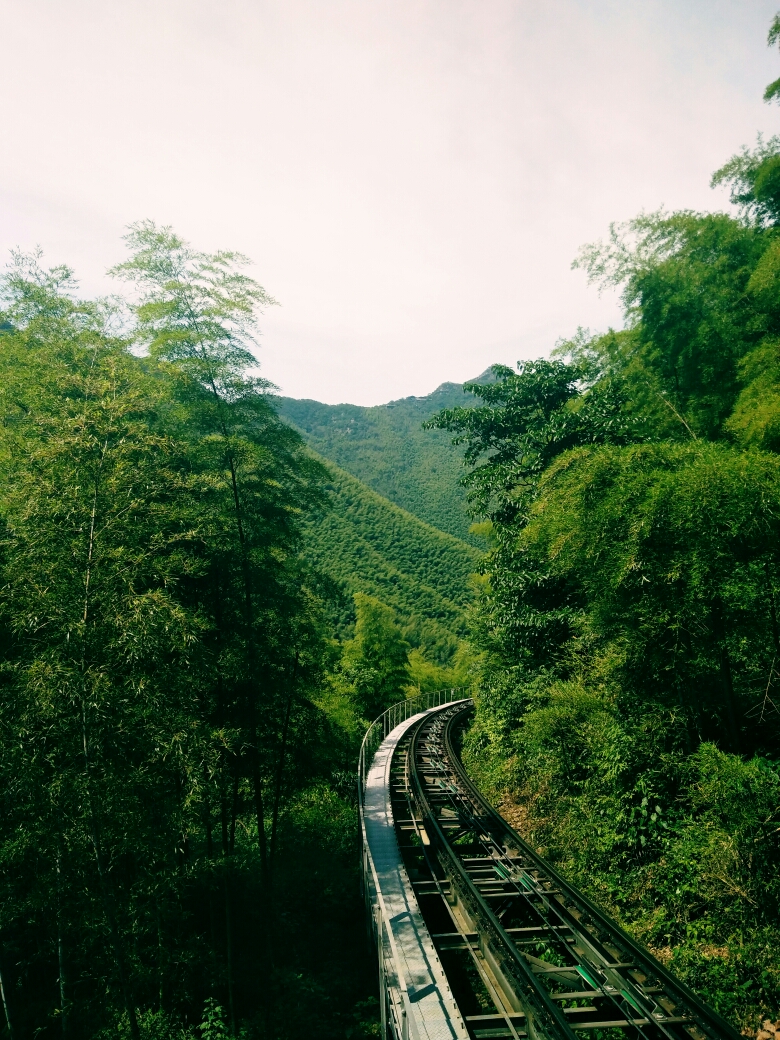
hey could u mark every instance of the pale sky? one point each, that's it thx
(412, 178)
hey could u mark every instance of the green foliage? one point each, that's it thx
(680, 847)
(526, 421)
(319, 887)
(386, 448)
(667, 550)
(195, 309)
(368, 545)
(461, 673)
(163, 647)
(375, 660)
(772, 92)
(685, 279)
(755, 421)
(213, 1025)
(96, 706)
(754, 178)
(153, 1025)
(649, 572)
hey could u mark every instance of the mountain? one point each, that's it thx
(386, 448)
(367, 543)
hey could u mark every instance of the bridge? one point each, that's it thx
(477, 937)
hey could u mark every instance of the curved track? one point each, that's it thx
(524, 953)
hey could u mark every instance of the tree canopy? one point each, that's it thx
(163, 647)
(628, 607)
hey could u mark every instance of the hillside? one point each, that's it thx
(386, 448)
(368, 544)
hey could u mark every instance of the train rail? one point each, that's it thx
(511, 950)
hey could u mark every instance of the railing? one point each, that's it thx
(390, 718)
(398, 1021)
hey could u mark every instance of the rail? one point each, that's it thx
(393, 716)
(542, 962)
(555, 962)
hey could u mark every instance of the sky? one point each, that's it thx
(411, 178)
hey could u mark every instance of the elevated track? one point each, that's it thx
(478, 937)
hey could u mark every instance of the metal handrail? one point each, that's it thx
(396, 714)
(404, 1024)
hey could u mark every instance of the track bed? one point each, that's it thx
(525, 954)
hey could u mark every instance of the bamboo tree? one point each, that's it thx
(197, 313)
(95, 538)
(196, 316)
(6, 1009)
(157, 629)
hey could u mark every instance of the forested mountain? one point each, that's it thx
(386, 447)
(370, 545)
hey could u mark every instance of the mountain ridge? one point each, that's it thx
(386, 448)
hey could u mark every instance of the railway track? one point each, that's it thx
(518, 952)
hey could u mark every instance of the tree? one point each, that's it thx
(754, 179)
(692, 316)
(772, 92)
(669, 547)
(97, 647)
(375, 660)
(196, 317)
(529, 417)
(160, 642)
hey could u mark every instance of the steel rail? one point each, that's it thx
(576, 909)
(496, 876)
(490, 984)
(542, 1017)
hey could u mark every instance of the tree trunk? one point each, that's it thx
(772, 609)
(279, 778)
(6, 1010)
(726, 676)
(233, 814)
(208, 823)
(229, 942)
(257, 789)
(160, 961)
(691, 706)
(227, 879)
(108, 905)
(265, 947)
(64, 1009)
(94, 823)
(725, 671)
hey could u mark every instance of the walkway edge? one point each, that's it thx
(415, 996)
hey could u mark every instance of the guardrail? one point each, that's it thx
(390, 718)
(397, 1020)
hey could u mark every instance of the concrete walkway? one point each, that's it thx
(436, 1015)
